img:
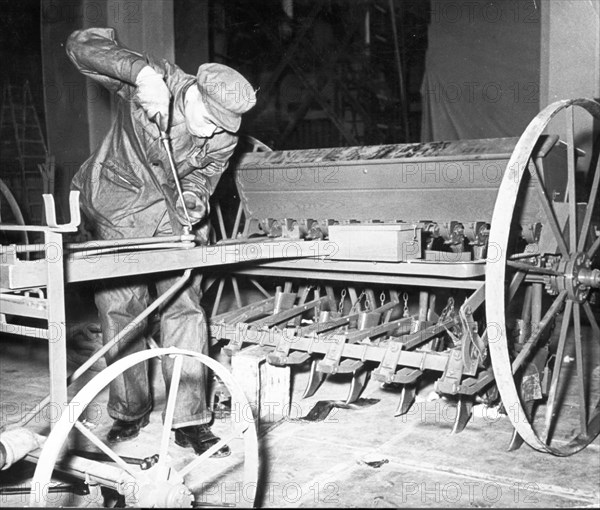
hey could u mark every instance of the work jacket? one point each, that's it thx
(127, 185)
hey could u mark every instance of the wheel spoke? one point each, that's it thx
(550, 412)
(515, 283)
(589, 209)
(535, 336)
(594, 248)
(580, 369)
(536, 303)
(95, 440)
(218, 297)
(260, 288)
(213, 449)
(236, 291)
(170, 410)
(571, 180)
(590, 315)
(548, 209)
(222, 228)
(526, 314)
(208, 283)
(238, 220)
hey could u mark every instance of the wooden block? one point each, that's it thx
(380, 242)
(267, 387)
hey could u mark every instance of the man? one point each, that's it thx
(128, 190)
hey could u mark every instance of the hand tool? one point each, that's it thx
(145, 463)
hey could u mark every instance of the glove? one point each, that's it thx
(154, 96)
(197, 207)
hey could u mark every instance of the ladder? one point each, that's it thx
(24, 156)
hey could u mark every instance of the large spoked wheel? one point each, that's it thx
(171, 482)
(16, 215)
(547, 367)
(230, 233)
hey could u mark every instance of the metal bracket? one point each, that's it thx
(286, 314)
(387, 368)
(449, 383)
(407, 375)
(235, 344)
(50, 211)
(368, 320)
(331, 363)
(386, 371)
(470, 337)
(281, 355)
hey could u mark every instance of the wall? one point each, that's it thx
(78, 112)
(482, 69)
(570, 63)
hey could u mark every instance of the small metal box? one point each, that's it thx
(380, 242)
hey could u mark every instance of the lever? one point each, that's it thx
(164, 138)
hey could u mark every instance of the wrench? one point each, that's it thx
(145, 463)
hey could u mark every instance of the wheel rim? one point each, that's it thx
(70, 418)
(568, 302)
(14, 207)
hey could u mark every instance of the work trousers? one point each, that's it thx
(182, 324)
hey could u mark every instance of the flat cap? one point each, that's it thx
(226, 94)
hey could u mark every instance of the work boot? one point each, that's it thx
(123, 430)
(201, 438)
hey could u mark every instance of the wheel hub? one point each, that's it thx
(165, 495)
(156, 492)
(576, 277)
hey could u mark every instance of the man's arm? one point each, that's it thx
(199, 185)
(96, 54)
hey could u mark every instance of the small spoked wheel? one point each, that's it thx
(541, 283)
(171, 480)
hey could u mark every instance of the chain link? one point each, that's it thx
(356, 305)
(341, 305)
(405, 298)
(448, 309)
(382, 298)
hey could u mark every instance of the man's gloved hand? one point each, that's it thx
(154, 96)
(197, 207)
